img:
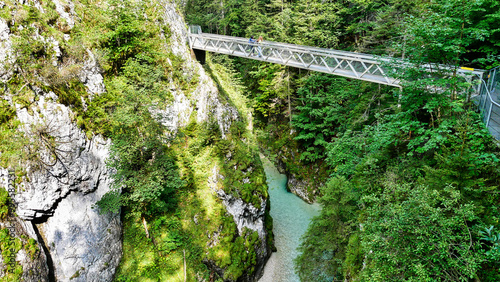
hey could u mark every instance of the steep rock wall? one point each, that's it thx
(209, 105)
(63, 180)
(55, 198)
(205, 98)
(246, 215)
(306, 186)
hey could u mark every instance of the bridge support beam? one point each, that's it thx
(200, 55)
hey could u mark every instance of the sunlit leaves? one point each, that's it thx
(418, 233)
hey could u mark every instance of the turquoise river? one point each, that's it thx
(291, 216)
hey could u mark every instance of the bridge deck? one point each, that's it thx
(348, 64)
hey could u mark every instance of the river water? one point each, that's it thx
(291, 216)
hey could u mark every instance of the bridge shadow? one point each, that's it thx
(223, 93)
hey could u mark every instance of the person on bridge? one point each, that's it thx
(252, 43)
(259, 42)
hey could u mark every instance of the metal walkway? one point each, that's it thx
(348, 64)
(488, 102)
(485, 90)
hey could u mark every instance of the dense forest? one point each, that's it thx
(169, 179)
(407, 178)
(410, 176)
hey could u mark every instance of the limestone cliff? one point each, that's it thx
(303, 180)
(57, 184)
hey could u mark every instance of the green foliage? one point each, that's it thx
(35, 53)
(7, 112)
(353, 257)
(12, 141)
(186, 217)
(146, 170)
(272, 84)
(143, 260)
(314, 23)
(99, 114)
(324, 246)
(110, 202)
(243, 256)
(429, 231)
(128, 33)
(4, 203)
(31, 247)
(446, 29)
(353, 150)
(494, 240)
(431, 140)
(9, 246)
(324, 107)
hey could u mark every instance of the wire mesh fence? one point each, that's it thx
(348, 64)
(489, 102)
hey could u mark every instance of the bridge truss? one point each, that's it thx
(347, 64)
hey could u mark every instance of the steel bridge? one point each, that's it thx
(485, 85)
(347, 64)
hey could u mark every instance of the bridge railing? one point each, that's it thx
(195, 29)
(354, 65)
(489, 102)
(347, 64)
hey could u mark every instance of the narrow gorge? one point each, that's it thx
(57, 141)
(307, 134)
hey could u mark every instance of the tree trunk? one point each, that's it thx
(184, 255)
(145, 224)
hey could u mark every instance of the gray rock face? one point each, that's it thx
(91, 76)
(5, 51)
(69, 163)
(245, 215)
(34, 265)
(69, 178)
(84, 245)
(299, 188)
(66, 9)
(177, 114)
(303, 188)
(207, 101)
(65, 179)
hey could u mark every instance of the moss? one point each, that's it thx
(12, 141)
(243, 255)
(354, 257)
(9, 246)
(4, 203)
(268, 223)
(144, 260)
(7, 112)
(31, 248)
(76, 275)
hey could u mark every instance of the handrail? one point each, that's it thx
(488, 92)
(488, 107)
(291, 47)
(349, 64)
